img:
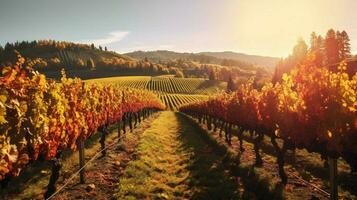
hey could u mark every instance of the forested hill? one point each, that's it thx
(262, 61)
(226, 58)
(81, 60)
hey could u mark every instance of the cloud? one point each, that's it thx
(114, 36)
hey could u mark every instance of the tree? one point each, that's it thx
(331, 47)
(230, 85)
(344, 45)
(92, 46)
(300, 50)
(101, 48)
(316, 48)
(105, 49)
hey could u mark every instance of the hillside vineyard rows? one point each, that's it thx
(173, 92)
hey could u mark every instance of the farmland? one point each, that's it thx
(172, 91)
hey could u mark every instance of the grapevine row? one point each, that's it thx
(40, 117)
(313, 108)
(174, 101)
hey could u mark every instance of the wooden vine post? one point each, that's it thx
(333, 178)
(80, 144)
(119, 127)
(56, 168)
(102, 140)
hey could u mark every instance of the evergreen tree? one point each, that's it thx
(316, 42)
(319, 51)
(344, 45)
(331, 47)
(105, 49)
(313, 40)
(101, 48)
(92, 46)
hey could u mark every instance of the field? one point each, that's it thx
(172, 91)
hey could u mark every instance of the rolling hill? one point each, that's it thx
(263, 61)
(236, 59)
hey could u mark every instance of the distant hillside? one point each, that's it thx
(262, 61)
(226, 58)
(167, 56)
(164, 55)
(206, 66)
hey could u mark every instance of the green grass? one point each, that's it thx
(174, 162)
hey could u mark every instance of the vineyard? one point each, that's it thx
(313, 109)
(178, 100)
(42, 118)
(174, 92)
(174, 101)
(167, 84)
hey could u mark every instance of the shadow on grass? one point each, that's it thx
(215, 171)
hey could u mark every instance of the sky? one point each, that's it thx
(260, 27)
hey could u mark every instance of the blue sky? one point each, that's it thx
(262, 27)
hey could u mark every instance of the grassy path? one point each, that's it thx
(173, 161)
